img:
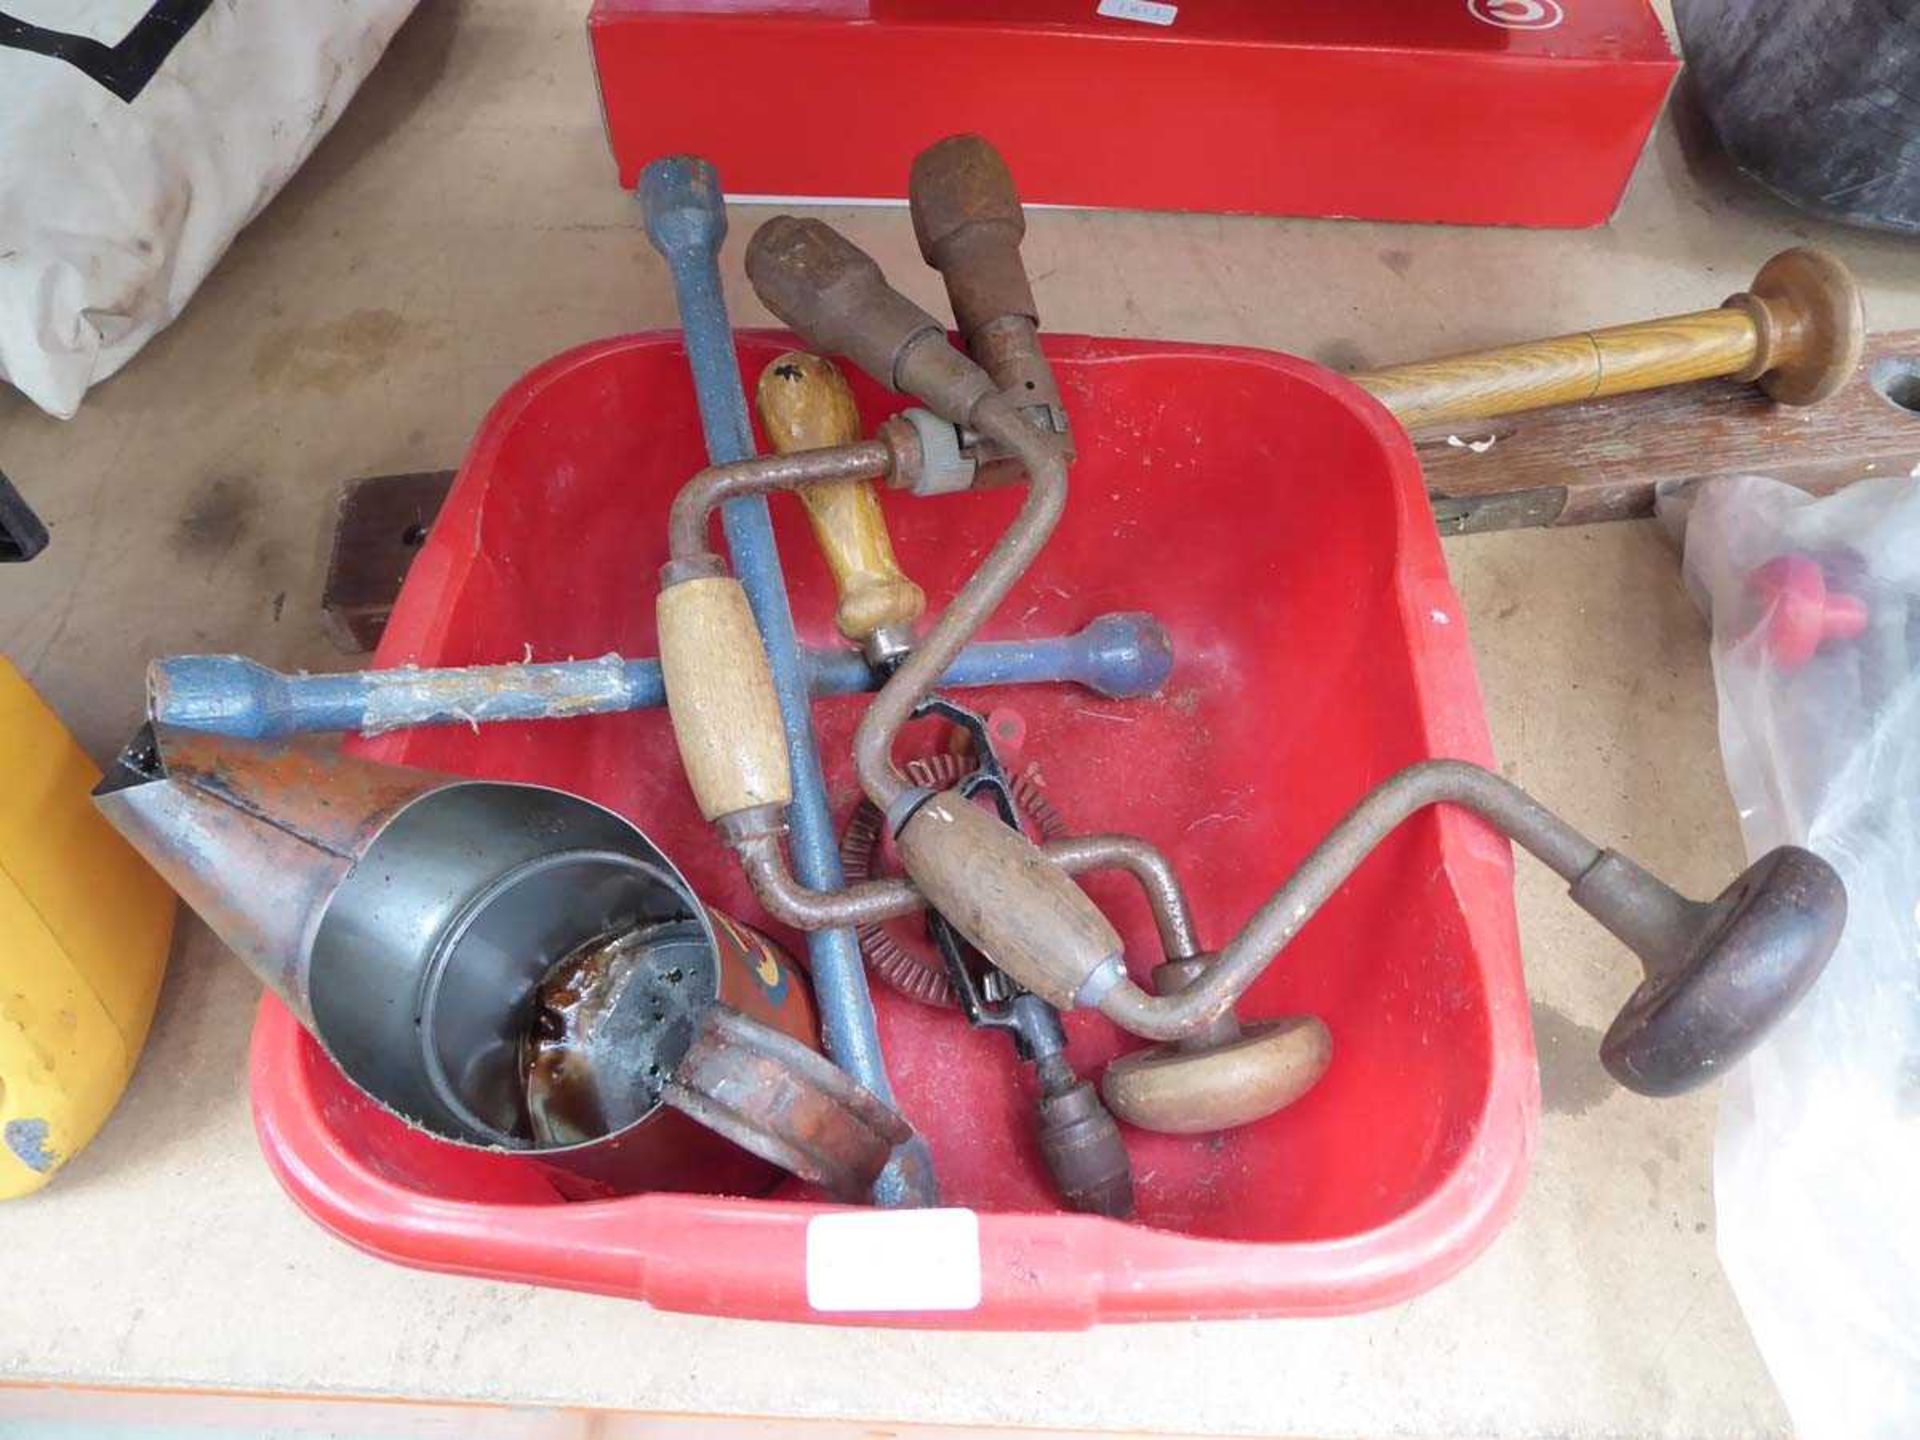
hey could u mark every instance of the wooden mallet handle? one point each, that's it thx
(1798, 331)
(805, 404)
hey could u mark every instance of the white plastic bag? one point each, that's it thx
(1817, 1162)
(136, 138)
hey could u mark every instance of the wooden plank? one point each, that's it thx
(1604, 459)
(383, 521)
(1573, 465)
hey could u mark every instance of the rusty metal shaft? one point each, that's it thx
(1043, 457)
(755, 836)
(1509, 808)
(693, 507)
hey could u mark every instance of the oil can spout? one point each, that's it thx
(254, 836)
(138, 764)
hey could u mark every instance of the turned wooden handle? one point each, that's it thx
(726, 717)
(1798, 331)
(805, 404)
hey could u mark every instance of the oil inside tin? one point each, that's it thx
(611, 1020)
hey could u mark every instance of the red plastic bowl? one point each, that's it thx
(1273, 517)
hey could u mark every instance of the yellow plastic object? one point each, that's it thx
(84, 931)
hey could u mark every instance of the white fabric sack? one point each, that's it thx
(1816, 1167)
(136, 138)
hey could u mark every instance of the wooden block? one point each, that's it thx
(382, 522)
(1600, 460)
(1604, 459)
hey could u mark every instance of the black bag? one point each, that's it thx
(1819, 100)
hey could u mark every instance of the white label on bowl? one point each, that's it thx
(1147, 12)
(867, 1260)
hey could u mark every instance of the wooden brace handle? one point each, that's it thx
(720, 695)
(804, 404)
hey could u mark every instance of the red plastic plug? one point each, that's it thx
(1799, 613)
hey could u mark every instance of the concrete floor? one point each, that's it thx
(462, 224)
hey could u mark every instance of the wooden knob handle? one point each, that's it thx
(1180, 1090)
(805, 404)
(726, 715)
(1811, 321)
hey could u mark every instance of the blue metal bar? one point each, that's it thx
(1118, 656)
(231, 695)
(686, 220)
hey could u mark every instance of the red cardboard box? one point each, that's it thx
(1482, 112)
